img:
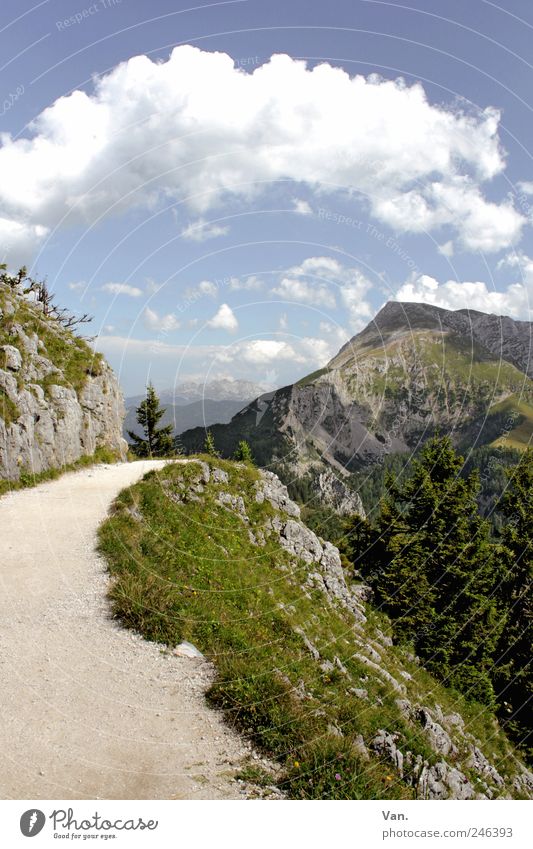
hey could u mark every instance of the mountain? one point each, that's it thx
(59, 401)
(413, 370)
(191, 404)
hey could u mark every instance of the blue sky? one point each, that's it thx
(234, 189)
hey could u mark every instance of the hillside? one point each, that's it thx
(413, 370)
(59, 401)
(215, 553)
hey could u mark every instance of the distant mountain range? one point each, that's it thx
(191, 404)
(413, 370)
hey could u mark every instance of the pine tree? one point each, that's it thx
(243, 452)
(209, 445)
(157, 442)
(431, 566)
(513, 676)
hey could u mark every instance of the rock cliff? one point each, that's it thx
(58, 400)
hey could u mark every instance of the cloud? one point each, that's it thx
(318, 279)
(446, 249)
(293, 289)
(320, 273)
(243, 356)
(78, 286)
(263, 351)
(164, 323)
(515, 300)
(224, 319)
(198, 129)
(301, 207)
(250, 284)
(122, 289)
(201, 230)
(206, 287)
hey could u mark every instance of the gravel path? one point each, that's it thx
(89, 710)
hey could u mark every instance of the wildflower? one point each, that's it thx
(388, 778)
(337, 776)
(296, 764)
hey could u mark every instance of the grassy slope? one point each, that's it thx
(72, 355)
(189, 571)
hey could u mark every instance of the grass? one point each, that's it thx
(30, 479)
(67, 352)
(520, 436)
(188, 570)
(9, 411)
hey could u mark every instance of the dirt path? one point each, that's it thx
(89, 710)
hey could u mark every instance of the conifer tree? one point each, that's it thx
(157, 442)
(513, 675)
(431, 567)
(209, 445)
(243, 452)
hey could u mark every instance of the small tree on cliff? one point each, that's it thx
(243, 452)
(209, 445)
(157, 442)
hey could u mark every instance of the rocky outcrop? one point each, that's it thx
(58, 400)
(334, 492)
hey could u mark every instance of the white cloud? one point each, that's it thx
(78, 286)
(263, 351)
(201, 230)
(122, 289)
(206, 287)
(283, 322)
(251, 283)
(293, 289)
(318, 279)
(515, 300)
(224, 319)
(164, 323)
(446, 249)
(199, 129)
(301, 207)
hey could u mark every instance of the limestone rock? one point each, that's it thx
(13, 357)
(271, 489)
(56, 424)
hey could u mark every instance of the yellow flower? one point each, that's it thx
(296, 764)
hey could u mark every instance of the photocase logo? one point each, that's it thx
(32, 822)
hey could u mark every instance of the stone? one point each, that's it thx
(359, 693)
(13, 357)
(439, 740)
(382, 673)
(334, 492)
(186, 649)
(271, 489)
(479, 762)
(385, 744)
(235, 503)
